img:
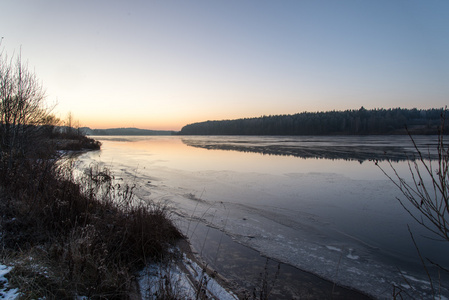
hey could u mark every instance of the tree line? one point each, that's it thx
(348, 122)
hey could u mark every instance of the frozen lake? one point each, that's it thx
(316, 203)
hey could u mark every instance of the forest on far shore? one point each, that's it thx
(348, 122)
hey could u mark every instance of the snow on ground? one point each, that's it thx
(184, 281)
(5, 291)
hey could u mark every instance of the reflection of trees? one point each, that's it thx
(334, 152)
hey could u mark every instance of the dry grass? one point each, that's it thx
(90, 232)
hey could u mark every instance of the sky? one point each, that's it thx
(165, 64)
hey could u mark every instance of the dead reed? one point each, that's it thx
(89, 232)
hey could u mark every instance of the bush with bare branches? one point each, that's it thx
(426, 199)
(23, 114)
(428, 191)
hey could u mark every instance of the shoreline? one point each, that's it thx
(244, 271)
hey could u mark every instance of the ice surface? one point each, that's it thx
(351, 254)
(333, 248)
(338, 219)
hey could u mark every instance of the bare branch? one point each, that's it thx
(22, 107)
(428, 190)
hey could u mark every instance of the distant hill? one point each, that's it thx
(348, 122)
(124, 131)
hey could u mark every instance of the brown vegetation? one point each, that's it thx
(66, 235)
(89, 231)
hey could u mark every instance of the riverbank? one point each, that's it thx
(68, 234)
(251, 275)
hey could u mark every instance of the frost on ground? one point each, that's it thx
(186, 280)
(5, 291)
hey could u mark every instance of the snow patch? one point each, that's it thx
(5, 291)
(351, 255)
(415, 279)
(180, 283)
(333, 248)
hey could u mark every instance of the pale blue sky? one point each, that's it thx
(164, 64)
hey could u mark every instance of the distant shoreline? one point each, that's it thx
(396, 121)
(125, 131)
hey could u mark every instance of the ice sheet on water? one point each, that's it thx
(365, 272)
(289, 217)
(308, 244)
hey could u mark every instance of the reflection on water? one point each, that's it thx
(360, 148)
(320, 215)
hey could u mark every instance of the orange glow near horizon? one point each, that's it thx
(155, 65)
(169, 120)
(175, 122)
(105, 124)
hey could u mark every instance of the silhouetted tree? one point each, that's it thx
(22, 110)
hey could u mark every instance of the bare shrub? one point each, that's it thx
(23, 115)
(427, 191)
(431, 201)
